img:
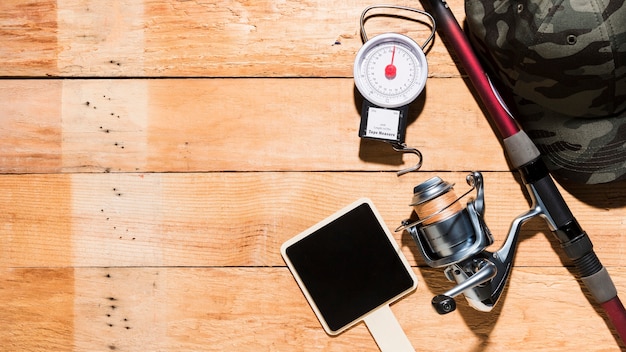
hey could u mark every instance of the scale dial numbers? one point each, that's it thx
(390, 70)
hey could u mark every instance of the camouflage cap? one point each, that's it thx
(564, 64)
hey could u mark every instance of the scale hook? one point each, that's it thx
(403, 148)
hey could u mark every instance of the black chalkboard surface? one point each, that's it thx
(348, 266)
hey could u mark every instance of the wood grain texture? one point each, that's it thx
(234, 309)
(240, 219)
(195, 38)
(38, 309)
(31, 129)
(155, 154)
(197, 125)
(28, 35)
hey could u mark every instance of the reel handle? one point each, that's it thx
(443, 304)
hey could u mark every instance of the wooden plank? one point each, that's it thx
(228, 124)
(38, 309)
(235, 309)
(36, 220)
(28, 33)
(31, 131)
(192, 38)
(147, 214)
(241, 219)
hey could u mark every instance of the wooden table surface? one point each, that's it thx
(156, 153)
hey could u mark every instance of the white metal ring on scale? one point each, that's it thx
(390, 88)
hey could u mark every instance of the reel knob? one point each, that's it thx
(443, 304)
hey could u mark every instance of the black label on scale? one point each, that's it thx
(384, 124)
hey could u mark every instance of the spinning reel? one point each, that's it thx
(455, 237)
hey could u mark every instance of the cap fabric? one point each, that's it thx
(563, 62)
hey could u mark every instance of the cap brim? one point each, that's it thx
(583, 150)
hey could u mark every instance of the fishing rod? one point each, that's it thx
(547, 201)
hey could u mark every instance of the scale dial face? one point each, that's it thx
(390, 70)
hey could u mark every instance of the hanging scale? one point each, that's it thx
(390, 72)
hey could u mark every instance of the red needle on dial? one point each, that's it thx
(390, 70)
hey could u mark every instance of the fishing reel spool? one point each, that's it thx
(452, 236)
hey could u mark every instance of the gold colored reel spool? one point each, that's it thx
(431, 210)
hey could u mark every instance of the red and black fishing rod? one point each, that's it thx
(525, 158)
